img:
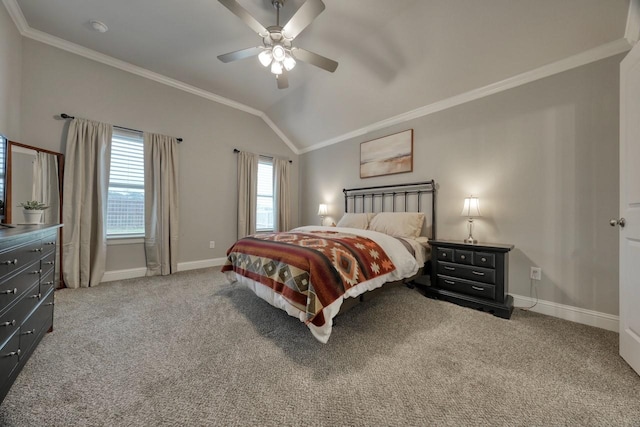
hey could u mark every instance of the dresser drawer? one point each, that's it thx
(467, 287)
(445, 254)
(17, 257)
(13, 287)
(9, 356)
(48, 260)
(47, 281)
(40, 318)
(462, 256)
(478, 274)
(484, 259)
(11, 320)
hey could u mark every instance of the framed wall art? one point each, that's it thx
(387, 155)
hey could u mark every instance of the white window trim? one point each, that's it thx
(124, 240)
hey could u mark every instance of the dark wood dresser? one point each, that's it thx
(472, 275)
(27, 281)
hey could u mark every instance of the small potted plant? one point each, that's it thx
(32, 210)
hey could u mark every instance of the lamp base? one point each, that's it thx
(470, 240)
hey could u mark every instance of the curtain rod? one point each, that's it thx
(66, 116)
(235, 150)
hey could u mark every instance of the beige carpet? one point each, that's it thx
(192, 350)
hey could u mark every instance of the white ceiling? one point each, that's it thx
(395, 56)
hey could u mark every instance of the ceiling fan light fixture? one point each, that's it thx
(276, 68)
(278, 53)
(265, 57)
(289, 62)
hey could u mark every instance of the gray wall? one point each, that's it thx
(55, 81)
(542, 158)
(10, 76)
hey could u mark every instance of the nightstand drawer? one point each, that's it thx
(478, 274)
(484, 259)
(463, 257)
(445, 254)
(467, 287)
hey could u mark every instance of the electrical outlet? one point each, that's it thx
(536, 273)
(212, 244)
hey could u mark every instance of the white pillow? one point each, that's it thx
(355, 220)
(398, 224)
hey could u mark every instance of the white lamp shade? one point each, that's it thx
(265, 57)
(276, 67)
(289, 62)
(323, 210)
(471, 207)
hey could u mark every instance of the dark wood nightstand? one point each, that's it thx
(474, 276)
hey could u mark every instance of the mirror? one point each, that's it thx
(3, 168)
(34, 173)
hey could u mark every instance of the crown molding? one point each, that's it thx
(16, 15)
(586, 57)
(632, 31)
(26, 31)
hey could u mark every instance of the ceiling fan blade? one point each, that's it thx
(283, 80)
(240, 54)
(303, 17)
(314, 59)
(242, 13)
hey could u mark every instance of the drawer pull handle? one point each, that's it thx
(449, 282)
(49, 303)
(477, 273)
(13, 353)
(36, 296)
(49, 243)
(35, 272)
(10, 291)
(477, 288)
(484, 259)
(33, 331)
(49, 263)
(48, 283)
(36, 250)
(12, 323)
(463, 257)
(449, 268)
(11, 262)
(444, 255)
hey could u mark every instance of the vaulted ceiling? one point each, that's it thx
(395, 56)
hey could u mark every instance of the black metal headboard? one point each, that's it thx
(394, 198)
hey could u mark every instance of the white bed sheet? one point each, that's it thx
(406, 266)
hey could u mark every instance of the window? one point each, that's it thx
(125, 200)
(264, 211)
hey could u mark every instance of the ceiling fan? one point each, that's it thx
(277, 50)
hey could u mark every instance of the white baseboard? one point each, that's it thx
(132, 273)
(568, 312)
(204, 263)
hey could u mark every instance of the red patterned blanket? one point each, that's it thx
(311, 270)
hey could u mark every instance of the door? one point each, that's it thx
(629, 221)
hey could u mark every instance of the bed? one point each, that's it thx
(311, 272)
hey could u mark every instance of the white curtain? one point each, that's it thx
(161, 204)
(281, 182)
(247, 193)
(86, 182)
(45, 186)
